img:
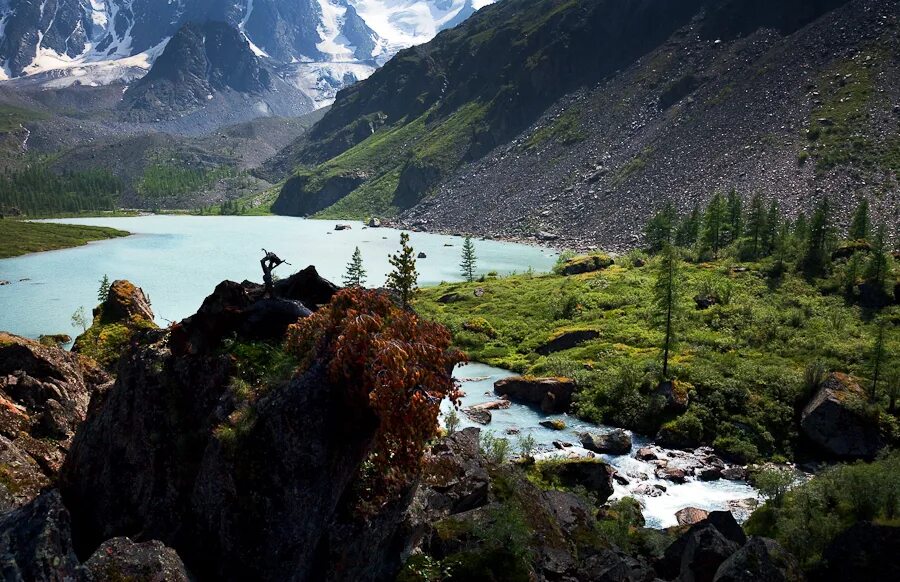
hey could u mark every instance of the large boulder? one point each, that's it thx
(567, 340)
(615, 442)
(705, 551)
(121, 559)
(123, 314)
(36, 543)
(864, 551)
(125, 301)
(44, 396)
(834, 421)
(730, 537)
(761, 560)
(586, 264)
(592, 474)
(552, 395)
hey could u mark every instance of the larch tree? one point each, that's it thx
(469, 260)
(860, 227)
(403, 279)
(714, 224)
(666, 300)
(355, 276)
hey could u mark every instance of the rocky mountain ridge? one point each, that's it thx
(582, 145)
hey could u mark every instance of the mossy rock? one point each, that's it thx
(586, 264)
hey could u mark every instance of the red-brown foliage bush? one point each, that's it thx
(397, 362)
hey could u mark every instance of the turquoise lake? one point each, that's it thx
(178, 260)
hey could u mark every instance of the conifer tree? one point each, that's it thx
(735, 216)
(688, 229)
(714, 224)
(876, 270)
(815, 257)
(103, 291)
(355, 276)
(756, 226)
(771, 230)
(659, 231)
(860, 226)
(468, 260)
(877, 357)
(402, 280)
(666, 300)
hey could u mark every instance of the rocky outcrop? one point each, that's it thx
(241, 309)
(834, 420)
(121, 559)
(125, 301)
(615, 442)
(44, 396)
(241, 490)
(552, 395)
(36, 543)
(761, 560)
(123, 314)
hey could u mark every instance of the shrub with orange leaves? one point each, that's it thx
(398, 364)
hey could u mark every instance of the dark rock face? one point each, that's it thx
(152, 462)
(594, 475)
(864, 551)
(698, 552)
(567, 341)
(615, 442)
(198, 61)
(44, 395)
(36, 543)
(552, 395)
(122, 559)
(240, 308)
(456, 479)
(760, 560)
(832, 420)
(706, 549)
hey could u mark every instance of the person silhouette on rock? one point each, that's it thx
(268, 264)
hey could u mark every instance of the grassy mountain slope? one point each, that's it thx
(580, 117)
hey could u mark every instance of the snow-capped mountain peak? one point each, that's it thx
(317, 45)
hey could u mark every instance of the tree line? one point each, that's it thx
(808, 244)
(37, 190)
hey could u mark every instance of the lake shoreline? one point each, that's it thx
(21, 238)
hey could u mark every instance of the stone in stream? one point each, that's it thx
(646, 454)
(553, 424)
(673, 474)
(479, 415)
(615, 442)
(552, 395)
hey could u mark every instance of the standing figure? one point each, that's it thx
(268, 264)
